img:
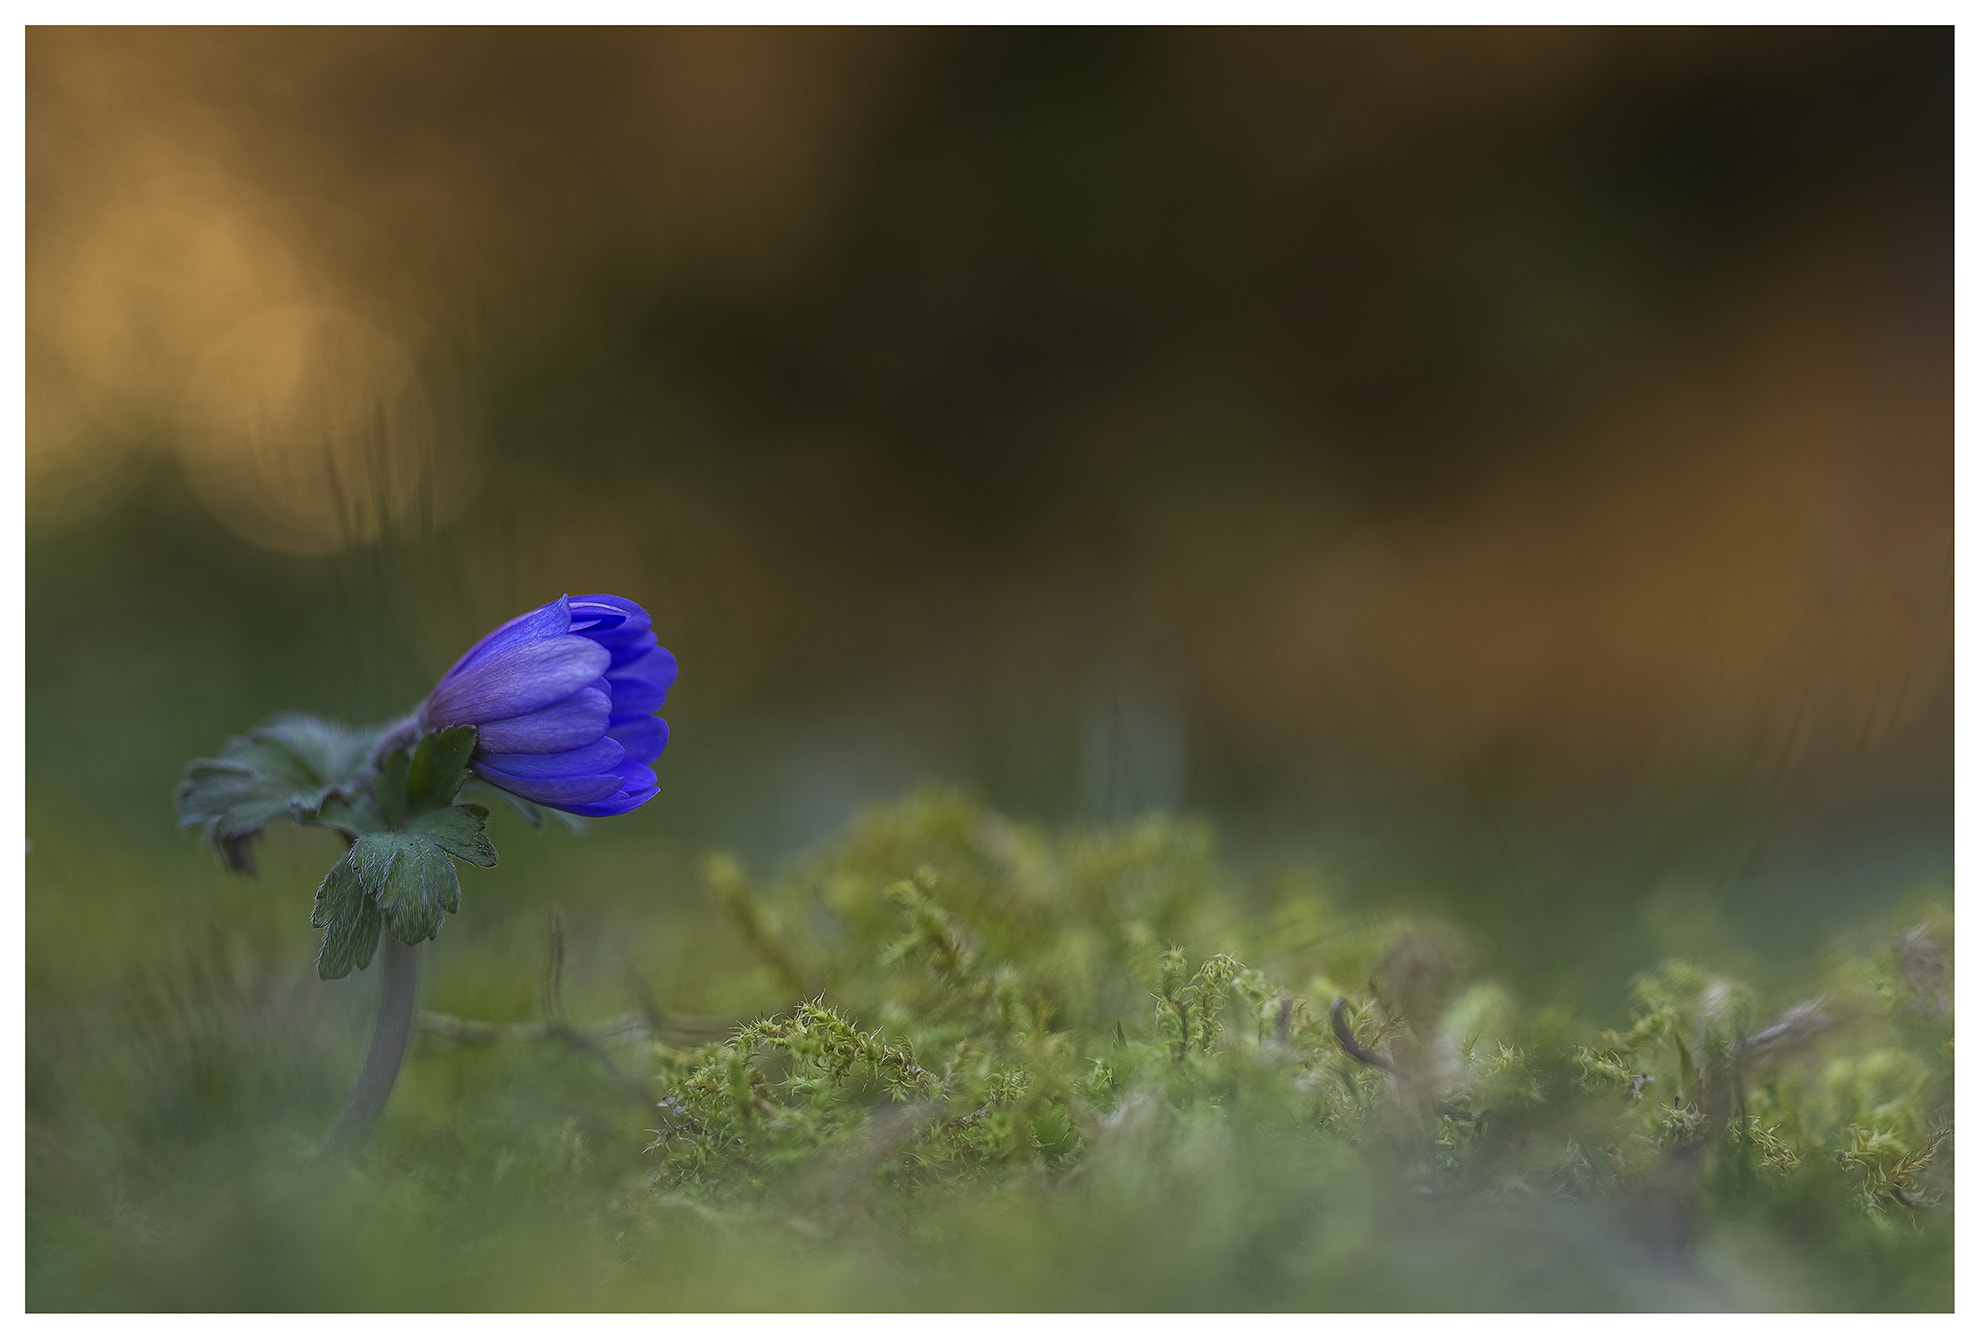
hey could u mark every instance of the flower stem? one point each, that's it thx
(398, 964)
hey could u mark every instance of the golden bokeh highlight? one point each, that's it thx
(306, 429)
(182, 209)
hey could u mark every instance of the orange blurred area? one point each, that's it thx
(1536, 409)
(240, 248)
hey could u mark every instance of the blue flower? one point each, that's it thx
(562, 699)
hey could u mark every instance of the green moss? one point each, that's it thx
(1033, 1007)
(1092, 1069)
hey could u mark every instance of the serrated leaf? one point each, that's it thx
(421, 886)
(458, 832)
(409, 874)
(231, 798)
(439, 768)
(336, 755)
(338, 887)
(374, 855)
(284, 768)
(350, 920)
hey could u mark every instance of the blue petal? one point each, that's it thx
(634, 621)
(636, 618)
(657, 667)
(516, 680)
(588, 616)
(640, 689)
(623, 802)
(559, 792)
(637, 786)
(580, 719)
(637, 775)
(594, 759)
(634, 649)
(546, 687)
(630, 701)
(644, 739)
(552, 620)
(637, 789)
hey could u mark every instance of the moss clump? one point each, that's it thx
(964, 1064)
(1042, 1026)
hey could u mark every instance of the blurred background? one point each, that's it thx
(1508, 470)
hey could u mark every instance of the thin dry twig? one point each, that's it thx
(474, 1032)
(1337, 1019)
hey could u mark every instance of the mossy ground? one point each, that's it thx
(951, 1062)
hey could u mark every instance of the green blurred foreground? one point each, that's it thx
(989, 1068)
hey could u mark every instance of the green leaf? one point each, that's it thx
(350, 919)
(400, 815)
(439, 768)
(374, 855)
(422, 884)
(289, 767)
(356, 815)
(334, 753)
(231, 797)
(402, 860)
(388, 788)
(408, 872)
(410, 784)
(458, 832)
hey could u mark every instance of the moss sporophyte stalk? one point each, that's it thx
(555, 708)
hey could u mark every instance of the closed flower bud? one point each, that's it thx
(562, 699)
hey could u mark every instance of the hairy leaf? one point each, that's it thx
(290, 767)
(349, 917)
(408, 873)
(421, 885)
(459, 832)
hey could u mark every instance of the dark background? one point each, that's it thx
(1508, 470)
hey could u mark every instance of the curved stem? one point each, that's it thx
(398, 965)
